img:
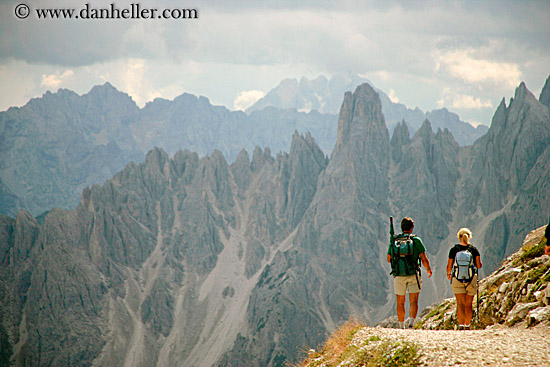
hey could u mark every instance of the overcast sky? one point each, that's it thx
(428, 54)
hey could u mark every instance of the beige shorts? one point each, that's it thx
(464, 288)
(403, 283)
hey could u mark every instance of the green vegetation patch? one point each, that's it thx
(388, 353)
(539, 272)
(533, 252)
(340, 349)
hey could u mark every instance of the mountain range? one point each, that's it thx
(56, 145)
(190, 260)
(325, 95)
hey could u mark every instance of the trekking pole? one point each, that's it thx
(392, 232)
(477, 290)
(392, 250)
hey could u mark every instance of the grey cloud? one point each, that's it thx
(75, 42)
(60, 42)
(400, 34)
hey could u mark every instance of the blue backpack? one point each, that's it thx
(464, 268)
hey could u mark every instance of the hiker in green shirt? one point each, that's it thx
(405, 253)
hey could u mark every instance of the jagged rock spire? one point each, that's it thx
(360, 114)
(545, 93)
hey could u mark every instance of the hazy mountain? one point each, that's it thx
(320, 94)
(190, 122)
(324, 95)
(197, 262)
(55, 146)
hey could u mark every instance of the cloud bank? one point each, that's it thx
(417, 52)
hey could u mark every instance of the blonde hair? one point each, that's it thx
(464, 233)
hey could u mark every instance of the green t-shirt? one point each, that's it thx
(418, 248)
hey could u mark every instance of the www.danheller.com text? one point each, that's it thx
(133, 11)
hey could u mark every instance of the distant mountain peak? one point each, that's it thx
(110, 94)
(105, 89)
(105, 86)
(325, 96)
(321, 94)
(426, 125)
(522, 92)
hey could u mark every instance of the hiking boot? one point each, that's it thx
(409, 323)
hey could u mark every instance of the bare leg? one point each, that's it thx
(400, 307)
(413, 303)
(461, 308)
(468, 309)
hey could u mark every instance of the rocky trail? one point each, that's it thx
(496, 346)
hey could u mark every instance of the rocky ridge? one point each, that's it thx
(56, 145)
(105, 123)
(137, 274)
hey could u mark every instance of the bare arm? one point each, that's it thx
(449, 268)
(426, 263)
(478, 262)
(389, 258)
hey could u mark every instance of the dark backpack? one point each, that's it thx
(463, 267)
(402, 260)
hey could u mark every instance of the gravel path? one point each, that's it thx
(497, 346)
